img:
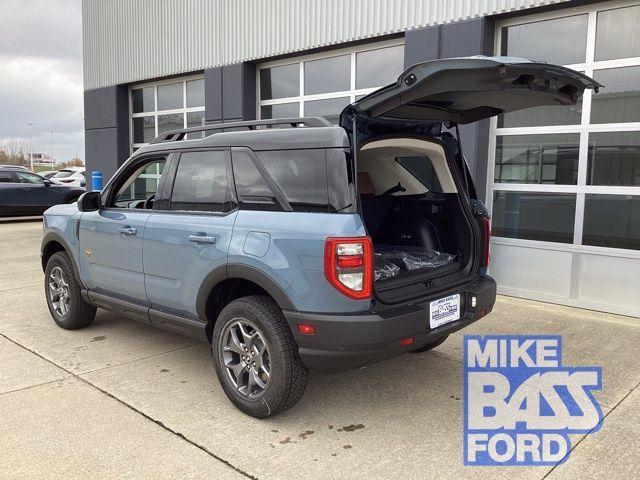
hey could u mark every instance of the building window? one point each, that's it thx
(572, 174)
(322, 85)
(163, 106)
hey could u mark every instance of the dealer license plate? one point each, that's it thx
(444, 310)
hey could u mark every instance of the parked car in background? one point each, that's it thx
(26, 193)
(48, 174)
(20, 167)
(73, 176)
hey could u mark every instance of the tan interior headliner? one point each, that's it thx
(378, 159)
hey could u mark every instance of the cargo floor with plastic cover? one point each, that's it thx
(412, 210)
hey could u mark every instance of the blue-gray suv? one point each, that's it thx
(294, 245)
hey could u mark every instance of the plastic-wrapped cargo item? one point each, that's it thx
(384, 269)
(432, 259)
(391, 263)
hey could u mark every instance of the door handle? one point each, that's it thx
(202, 238)
(127, 231)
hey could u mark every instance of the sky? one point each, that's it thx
(41, 75)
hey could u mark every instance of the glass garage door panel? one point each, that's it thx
(561, 41)
(614, 159)
(142, 99)
(612, 221)
(537, 159)
(327, 75)
(619, 101)
(281, 110)
(280, 82)
(617, 33)
(547, 217)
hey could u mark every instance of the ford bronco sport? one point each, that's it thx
(294, 245)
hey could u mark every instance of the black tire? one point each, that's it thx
(78, 313)
(288, 375)
(431, 345)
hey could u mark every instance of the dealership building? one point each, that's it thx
(562, 183)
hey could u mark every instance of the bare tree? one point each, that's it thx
(14, 152)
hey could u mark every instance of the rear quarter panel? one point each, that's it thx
(289, 247)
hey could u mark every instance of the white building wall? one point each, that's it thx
(131, 40)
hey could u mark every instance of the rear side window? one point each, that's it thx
(6, 177)
(422, 169)
(301, 175)
(201, 182)
(63, 174)
(253, 191)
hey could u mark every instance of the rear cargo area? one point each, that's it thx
(413, 212)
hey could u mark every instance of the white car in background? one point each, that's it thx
(72, 176)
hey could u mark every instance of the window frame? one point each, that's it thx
(581, 189)
(301, 98)
(155, 113)
(109, 192)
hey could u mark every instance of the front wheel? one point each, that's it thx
(256, 358)
(66, 305)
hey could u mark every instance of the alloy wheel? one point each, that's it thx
(245, 357)
(59, 291)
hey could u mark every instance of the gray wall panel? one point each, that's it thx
(213, 93)
(125, 41)
(106, 112)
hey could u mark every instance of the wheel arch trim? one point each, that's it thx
(51, 237)
(245, 272)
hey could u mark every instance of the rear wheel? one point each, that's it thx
(431, 345)
(66, 305)
(256, 358)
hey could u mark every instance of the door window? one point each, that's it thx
(139, 189)
(201, 182)
(26, 177)
(6, 177)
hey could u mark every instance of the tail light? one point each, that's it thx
(67, 180)
(348, 266)
(487, 242)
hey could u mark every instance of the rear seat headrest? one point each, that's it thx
(365, 185)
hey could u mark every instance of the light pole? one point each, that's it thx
(30, 124)
(51, 143)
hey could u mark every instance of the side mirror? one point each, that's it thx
(90, 202)
(47, 182)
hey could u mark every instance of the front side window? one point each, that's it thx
(201, 182)
(26, 177)
(138, 190)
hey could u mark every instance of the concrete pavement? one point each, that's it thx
(123, 400)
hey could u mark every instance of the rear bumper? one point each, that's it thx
(346, 341)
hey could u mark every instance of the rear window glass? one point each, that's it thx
(201, 182)
(63, 174)
(253, 191)
(422, 169)
(301, 176)
(6, 177)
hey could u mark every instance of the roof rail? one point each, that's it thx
(176, 135)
